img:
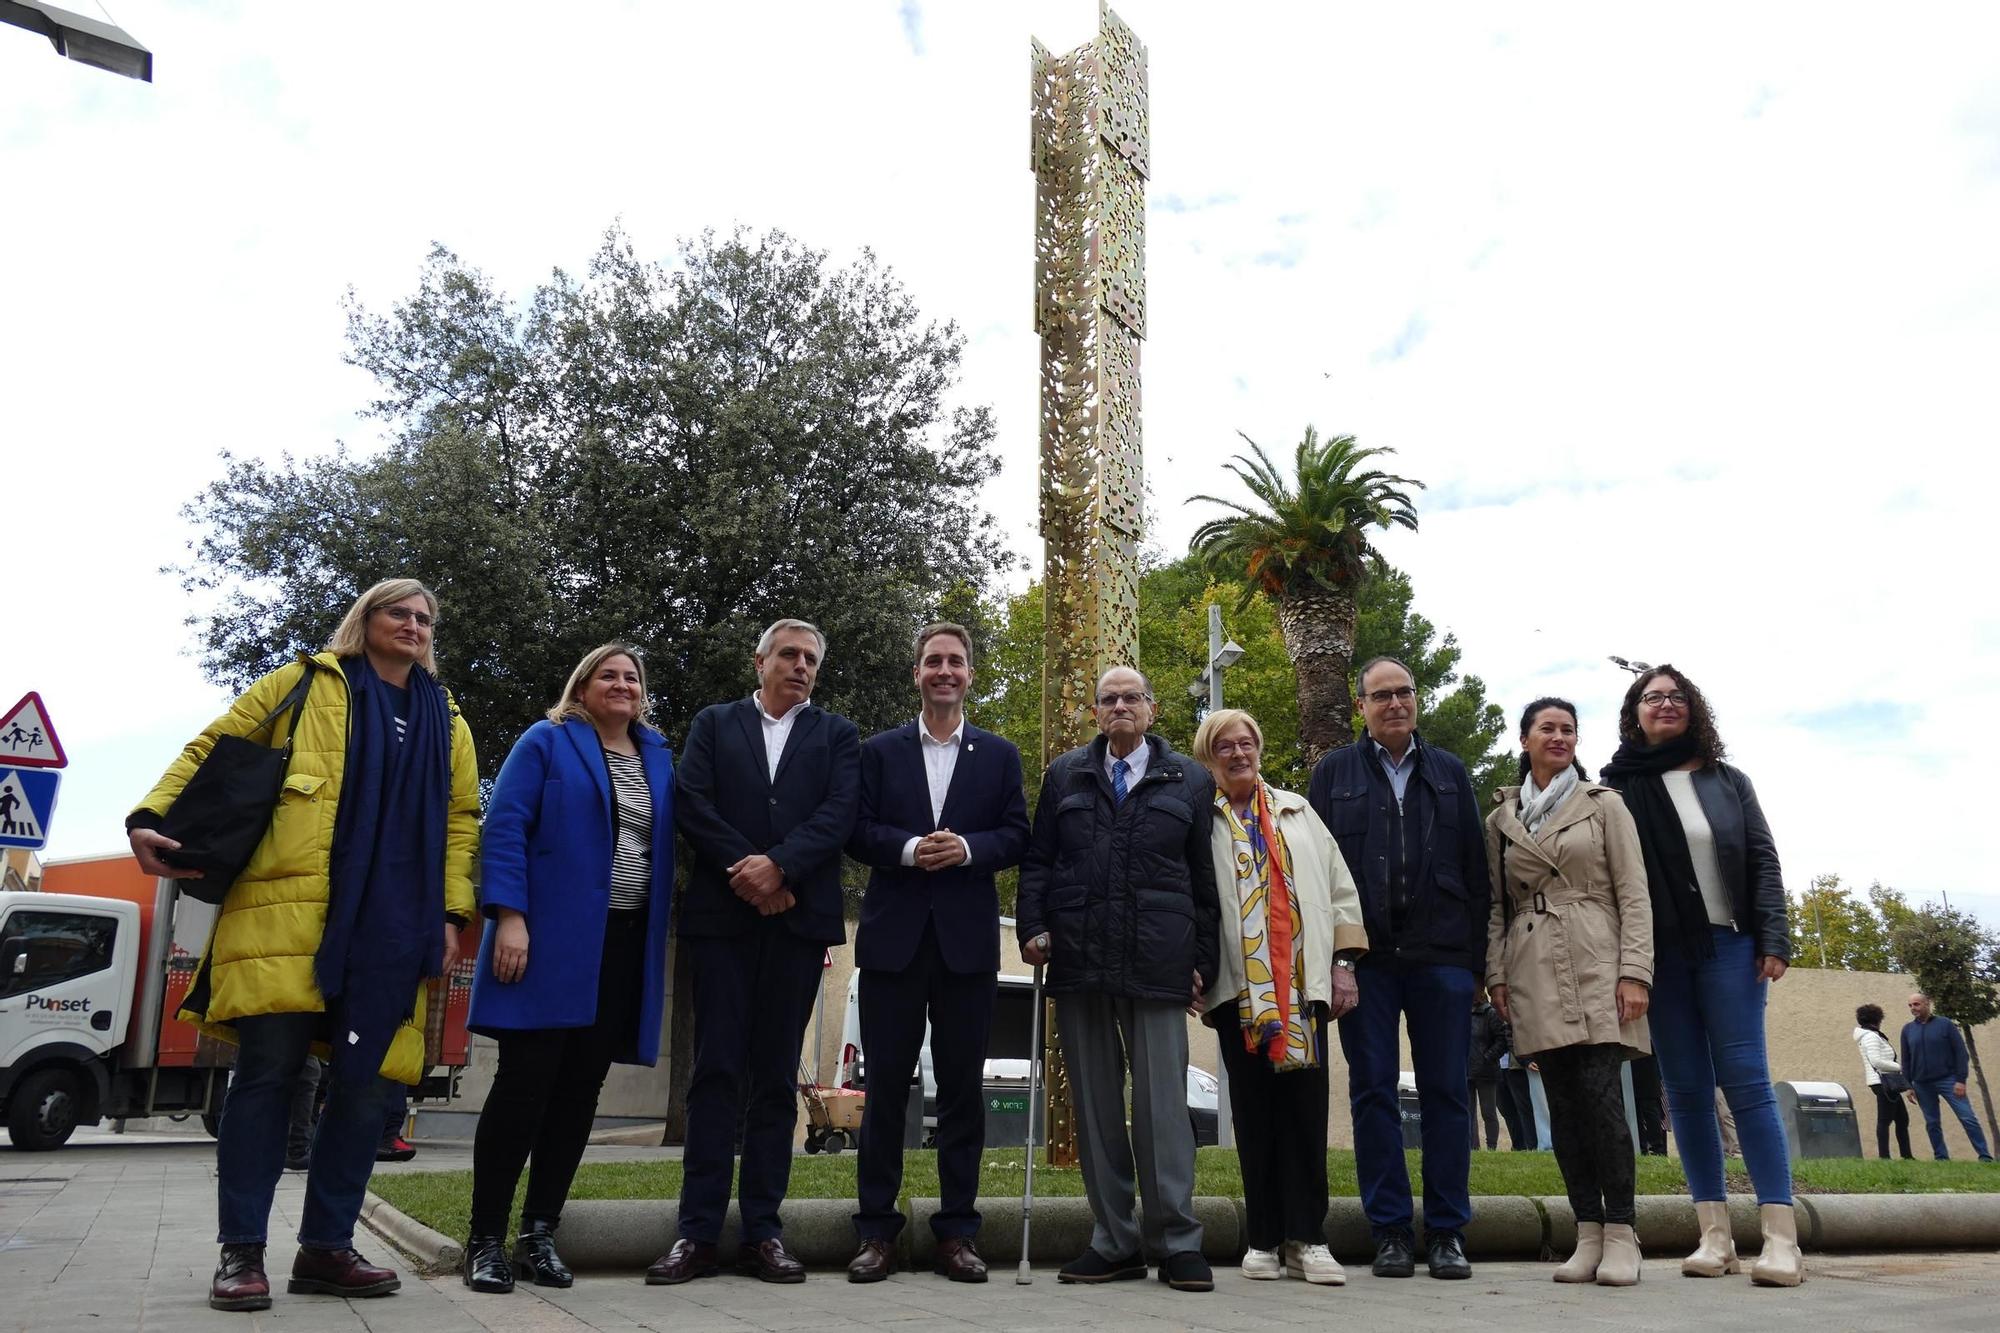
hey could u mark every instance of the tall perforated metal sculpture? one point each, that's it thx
(1091, 161)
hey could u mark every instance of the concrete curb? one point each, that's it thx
(628, 1234)
(432, 1250)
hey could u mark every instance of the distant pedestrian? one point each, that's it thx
(1886, 1080)
(1490, 1034)
(1569, 962)
(1719, 922)
(1648, 1106)
(577, 874)
(1934, 1060)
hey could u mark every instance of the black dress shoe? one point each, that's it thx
(1447, 1256)
(486, 1267)
(1393, 1257)
(874, 1261)
(535, 1255)
(769, 1261)
(1090, 1266)
(688, 1259)
(1186, 1270)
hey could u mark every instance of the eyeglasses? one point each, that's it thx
(403, 615)
(1129, 700)
(1401, 694)
(1654, 698)
(1227, 748)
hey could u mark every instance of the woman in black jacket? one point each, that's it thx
(1720, 938)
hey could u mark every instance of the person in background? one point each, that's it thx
(1407, 823)
(351, 901)
(1934, 1060)
(1490, 1034)
(395, 1121)
(1885, 1079)
(577, 887)
(1649, 1106)
(1290, 934)
(1517, 1103)
(1569, 962)
(304, 1116)
(1719, 917)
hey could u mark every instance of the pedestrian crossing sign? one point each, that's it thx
(27, 800)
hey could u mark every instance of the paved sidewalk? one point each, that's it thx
(117, 1233)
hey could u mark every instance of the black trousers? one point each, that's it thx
(1518, 1093)
(893, 1008)
(753, 994)
(1587, 1119)
(1649, 1106)
(544, 1096)
(1280, 1122)
(1486, 1101)
(1891, 1109)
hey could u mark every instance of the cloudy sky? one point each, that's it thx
(1688, 315)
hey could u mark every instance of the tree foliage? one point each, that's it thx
(1832, 928)
(671, 453)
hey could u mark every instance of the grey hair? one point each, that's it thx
(777, 627)
(1361, 676)
(1124, 666)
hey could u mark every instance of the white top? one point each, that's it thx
(777, 730)
(1135, 764)
(1701, 848)
(940, 762)
(1878, 1057)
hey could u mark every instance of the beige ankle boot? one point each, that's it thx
(1779, 1263)
(1716, 1254)
(1581, 1266)
(1620, 1265)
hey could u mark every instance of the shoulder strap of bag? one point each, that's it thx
(295, 701)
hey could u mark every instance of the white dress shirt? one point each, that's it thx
(777, 730)
(940, 762)
(1135, 765)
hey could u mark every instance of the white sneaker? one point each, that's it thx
(1263, 1265)
(1314, 1263)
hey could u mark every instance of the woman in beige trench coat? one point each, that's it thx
(1569, 962)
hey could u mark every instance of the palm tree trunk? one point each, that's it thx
(1318, 625)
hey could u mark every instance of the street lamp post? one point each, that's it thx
(1222, 654)
(88, 41)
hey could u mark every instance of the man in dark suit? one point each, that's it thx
(941, 812)
(767, 792)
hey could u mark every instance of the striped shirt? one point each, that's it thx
(632, 841)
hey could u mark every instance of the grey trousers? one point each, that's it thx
(1099, 1034)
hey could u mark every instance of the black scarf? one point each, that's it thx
(1635, 772)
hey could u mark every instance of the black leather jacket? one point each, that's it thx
(1125, 891)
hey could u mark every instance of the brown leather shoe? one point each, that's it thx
(875, 1260)
(239, 1282)
(688, 1259)
(339, 1273)
(958, 1259)
(769, 1261)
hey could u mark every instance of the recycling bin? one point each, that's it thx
(1819, 1120)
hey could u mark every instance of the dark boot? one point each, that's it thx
(535, 1254)
(240, 1283)
(486, 1267)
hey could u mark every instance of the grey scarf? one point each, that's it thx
(1537, 804)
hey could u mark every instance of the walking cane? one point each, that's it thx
(1021, 1275)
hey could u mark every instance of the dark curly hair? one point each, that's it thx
(1528, 716)
(1869, 1016)
(1701, 718)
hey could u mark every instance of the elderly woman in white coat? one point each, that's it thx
(1291, 930)
(1569, 962)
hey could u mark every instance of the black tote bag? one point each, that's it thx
(225, 809)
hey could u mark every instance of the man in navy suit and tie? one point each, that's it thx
(766, 796)
(941, 813)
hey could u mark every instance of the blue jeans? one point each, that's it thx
(1933, 1090)
(250, 1147)
(1437, 1002)
(1708, 1030)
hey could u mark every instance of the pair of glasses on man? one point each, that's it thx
(1129, 700)
(403, 615)
(1401, 694)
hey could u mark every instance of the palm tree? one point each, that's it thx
(1306, 546)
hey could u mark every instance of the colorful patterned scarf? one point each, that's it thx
(1272, 1004)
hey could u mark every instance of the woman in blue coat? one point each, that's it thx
(577, 860)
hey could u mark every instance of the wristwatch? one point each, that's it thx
(1347, 963)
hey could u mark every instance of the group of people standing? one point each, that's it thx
(1604, 920)
(1930, 1072)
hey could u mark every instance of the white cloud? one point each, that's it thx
(1689, 321)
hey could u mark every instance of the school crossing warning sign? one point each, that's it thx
(26, 738)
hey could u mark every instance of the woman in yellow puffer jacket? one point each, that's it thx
(353, 898)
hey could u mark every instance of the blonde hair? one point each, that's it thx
(571, 703)
(350, 637)
(1217, 722)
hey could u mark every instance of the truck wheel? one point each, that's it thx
(213, 1124)
(44, 1109)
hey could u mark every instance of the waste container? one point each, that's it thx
(1412, 1112)
(1819, 1120)
(1007, 1112)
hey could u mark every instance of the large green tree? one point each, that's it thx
(1831, 928)
(675, 453)
(1306, 542)
(1957, 964)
